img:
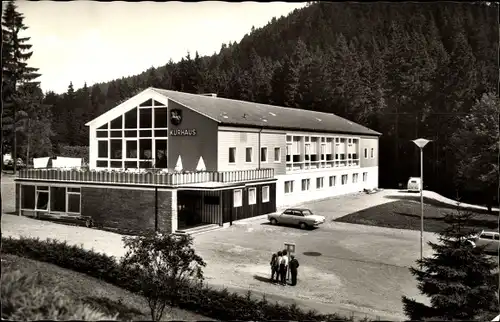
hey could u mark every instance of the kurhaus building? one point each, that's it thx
(222, 160)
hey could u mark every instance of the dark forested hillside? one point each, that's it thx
(407, 70)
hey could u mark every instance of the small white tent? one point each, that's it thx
(201, 165)
(178, 165)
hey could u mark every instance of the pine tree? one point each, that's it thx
(476, 143)
(458, 279)
(15, 74)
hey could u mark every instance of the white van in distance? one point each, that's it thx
(414, 184)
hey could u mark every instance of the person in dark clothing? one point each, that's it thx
(294, 265)
(284, 267)
(278, 262)
(274, 266)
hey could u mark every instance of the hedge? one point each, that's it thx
(216, 304)
(24, 298)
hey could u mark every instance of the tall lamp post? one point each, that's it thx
(421, 144)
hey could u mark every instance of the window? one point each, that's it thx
(161, 153)
(238, 198)
(145, 149)
(307, 150)
(288, 152)
(288, 186)
(265, 194)
(332, 180)
(74, 200)
(355, 178)
(145, 118)
(131, 119)
(27, 197)
(248, 154)
(344, 179)
(252, 196)
(102, 149)
(277, 154)
(371, 153)
(365, 176)
(42, 198)
(160, 117)
(117, 123)
(131, 149)
(58, 199)
(323, 151)
(263, 154)
(319, 183)
(366, 153)
(305, 184)
(232, 155)
(116, 149)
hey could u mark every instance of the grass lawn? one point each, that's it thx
(405, 214)
(108, 298)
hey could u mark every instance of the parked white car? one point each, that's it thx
(414, 184)
(490, 240)
(297, 216)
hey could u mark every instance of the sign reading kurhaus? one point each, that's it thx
(183, 132)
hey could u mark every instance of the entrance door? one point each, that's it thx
(189, 209)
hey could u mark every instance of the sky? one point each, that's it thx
(87, 41)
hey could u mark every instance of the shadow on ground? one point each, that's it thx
(288, 226)
(405, 214)
(263, 279)
(437, 203)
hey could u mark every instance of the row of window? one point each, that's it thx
(142, 117)
(249, 157)
(372, 155)
(320, 184)
(132, 151)
(252, 196)
(55, 199)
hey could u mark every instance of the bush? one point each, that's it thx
(24, 298)
(219, 305)
(165, 264)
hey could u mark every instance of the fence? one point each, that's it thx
(146, 178)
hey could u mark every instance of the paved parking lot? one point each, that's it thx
(361, 270)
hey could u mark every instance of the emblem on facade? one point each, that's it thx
(175, 116)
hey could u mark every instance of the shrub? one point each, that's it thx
(25, 298)
(165, 263)
(194, 297)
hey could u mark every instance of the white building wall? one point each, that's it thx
(298, 196)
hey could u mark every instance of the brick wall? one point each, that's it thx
(127, 210)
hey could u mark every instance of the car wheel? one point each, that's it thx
(274, 221)
(303, 225)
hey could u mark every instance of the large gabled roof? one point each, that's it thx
(241, 113)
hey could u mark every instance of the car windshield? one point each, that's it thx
(307, 212)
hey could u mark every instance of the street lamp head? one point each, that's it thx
(421, 142)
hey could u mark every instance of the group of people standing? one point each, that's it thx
(280, 265)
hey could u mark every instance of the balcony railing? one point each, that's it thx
(146, 178)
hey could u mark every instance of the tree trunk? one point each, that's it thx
(28, 147)
(14, 148)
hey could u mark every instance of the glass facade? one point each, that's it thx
(136, 139)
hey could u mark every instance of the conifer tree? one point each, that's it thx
(458, 279)
(15, 74)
